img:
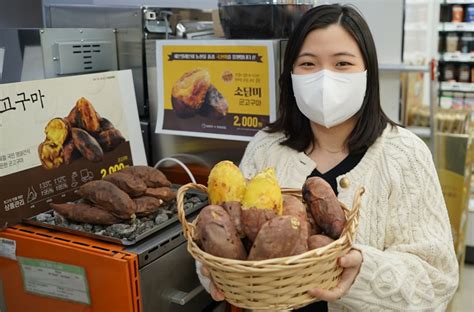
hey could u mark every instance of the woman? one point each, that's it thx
(331, 125)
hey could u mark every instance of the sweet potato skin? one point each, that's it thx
(87, 145)
(146, 205)
(85, 213)
(318, 241)
(216, 234)
(252, 220)
(108, 196)
(164, 193)
(324, 206)
(234, 209)
(128, 183)
(110, 139)
(292, 206)
(151, 176)
(279, 237)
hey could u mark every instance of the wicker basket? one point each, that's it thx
(274, 284)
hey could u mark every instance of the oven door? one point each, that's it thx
(170, 284)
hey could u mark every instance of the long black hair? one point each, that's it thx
(371, 120)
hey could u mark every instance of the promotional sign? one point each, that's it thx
(58, 134)
(216, 89)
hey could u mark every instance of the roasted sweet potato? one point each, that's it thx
(164, 193)
(70, 152)
(128, 183)
(253, 219)
(85, 213)
(57, 131)
(72, 117)
(105, 124)
(87, 145)
(324, 206)
(108, 196)
(86, 116)
(151, 176)
(216, 234)
(189, 91)
(313, 227)
(215, 105)
(110, 139)
(50, 154)
(292, 206)
(317, 241)
(146, 205)
(282, 236)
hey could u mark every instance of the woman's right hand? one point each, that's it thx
(216, 294)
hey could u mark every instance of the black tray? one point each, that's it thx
(116, 240)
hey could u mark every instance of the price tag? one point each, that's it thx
(8, 248)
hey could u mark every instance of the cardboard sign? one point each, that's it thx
(58, 134)
(216, 89)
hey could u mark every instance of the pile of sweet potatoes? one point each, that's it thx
(254, 221)
(83, 133)
(135, 191)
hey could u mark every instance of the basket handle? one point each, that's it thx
(353, 216)
(188, 228)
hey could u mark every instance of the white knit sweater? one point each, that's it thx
(404, 232)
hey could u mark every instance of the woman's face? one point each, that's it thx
(331, 48)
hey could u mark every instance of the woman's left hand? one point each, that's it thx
(351, 264)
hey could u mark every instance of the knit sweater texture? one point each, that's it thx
(404, 231)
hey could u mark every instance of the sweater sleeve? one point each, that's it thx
(418, 269)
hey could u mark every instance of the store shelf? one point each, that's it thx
(456, 27)
(457, 86)
(422, 132)
(404, 68)
(457, 57)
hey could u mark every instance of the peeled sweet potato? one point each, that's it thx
(130, 184)
(282, 236)
(151, 176)
(292, 206)
(108, 196)
(50, 154)
(216, 234)
(146, 205)
(110, 139)
(317, 241)
(85, 213)
(57, 131)
(87, 145)
(324, 206)
(164, 193)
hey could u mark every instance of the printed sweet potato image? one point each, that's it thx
(86, 116)
(57, 131)
(110, 139)
(281, 236)
(146, 205)
(164, 193)
(70, 151)
(87, 145)
(215, 105)
(105, 124)
(108, 196)
(189, 92)
(216, 234)
(83, 212)
(50, 154)
(128, 183)
(151, 176)
(324, 206)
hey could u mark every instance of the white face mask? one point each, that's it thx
(329, 98)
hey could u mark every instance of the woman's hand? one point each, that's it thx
(215, 293)
(351, 264)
